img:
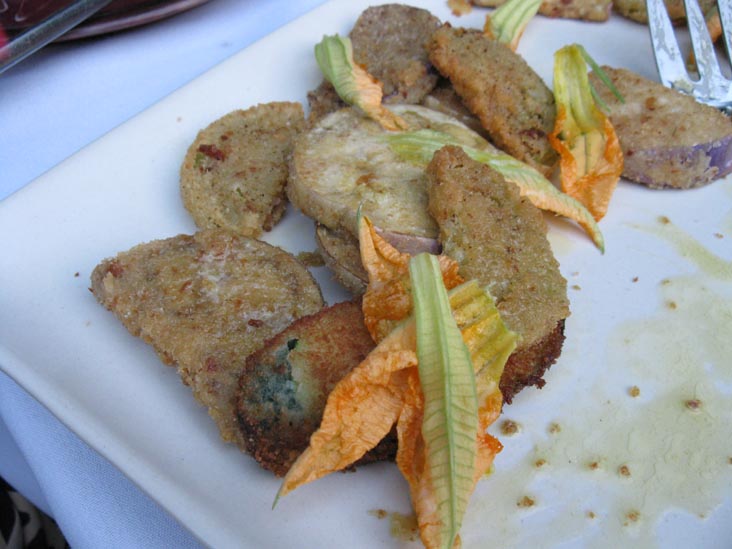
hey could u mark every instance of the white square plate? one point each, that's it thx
(653, 312)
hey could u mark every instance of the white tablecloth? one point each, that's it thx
(51, 105)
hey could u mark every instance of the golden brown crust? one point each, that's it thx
(668, 139)
(636, 9)
(205, 302)
(512, 102)
(499, 239)
(586, 10)
(284, 387)
(389, 41)
(234, 173)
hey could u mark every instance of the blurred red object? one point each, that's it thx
(18, 15)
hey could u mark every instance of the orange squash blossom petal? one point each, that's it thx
(593, 189)
(385, 390)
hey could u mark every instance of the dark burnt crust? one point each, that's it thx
(275, 455)
(278, 455)
(527, 366)
(275, 425)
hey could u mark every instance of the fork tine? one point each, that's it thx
(725, 16)
(669, 60)
(704, 54)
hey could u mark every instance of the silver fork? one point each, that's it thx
(711, 86)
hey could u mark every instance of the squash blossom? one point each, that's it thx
(507, 23)
(591, 160)
(353, 84)
(434, 374)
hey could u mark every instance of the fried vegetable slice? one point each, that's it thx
(591, 160)
(513, 103)
(354, 85)
(588, 10)
(360, 411)
(234, 173)
(389, 43)
(419, 147)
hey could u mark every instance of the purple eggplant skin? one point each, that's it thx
(680, 167)
(668, 139)
(409, 243)
(340, 253)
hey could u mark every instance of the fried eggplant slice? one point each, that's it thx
(513, 103)
(205, 302)
(668, 139)
(284, 386)
(344, 162)
(390, 42)
(341, 255)
(586, 10)
(499, 239)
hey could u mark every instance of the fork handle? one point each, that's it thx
(47, 30)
